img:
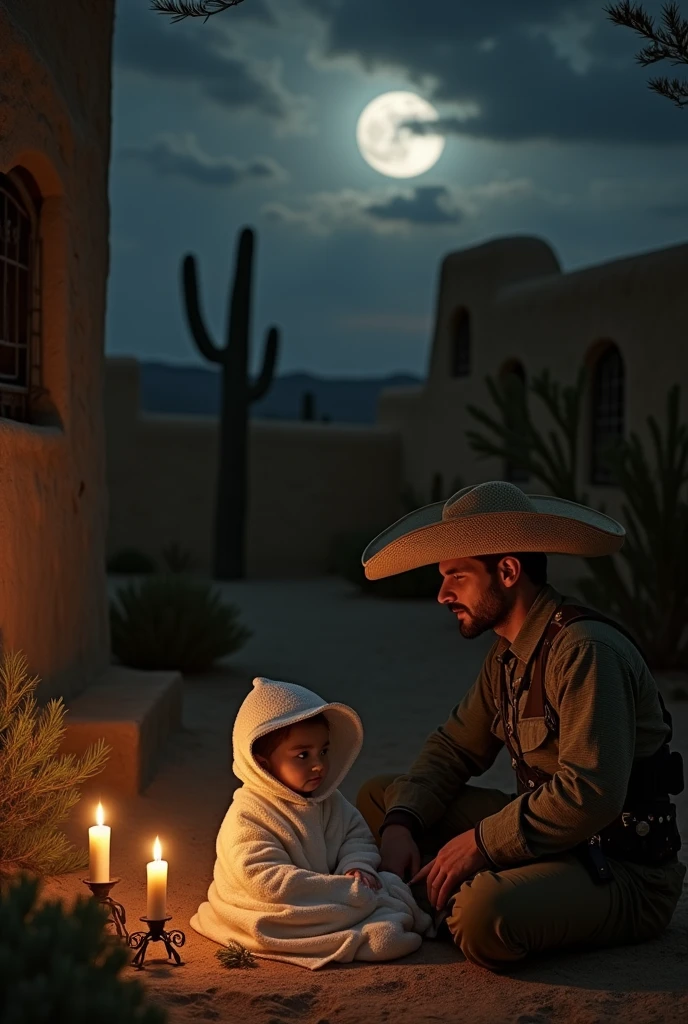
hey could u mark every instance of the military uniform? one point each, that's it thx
(538, 893)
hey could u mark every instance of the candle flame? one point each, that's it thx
(157, 849)
(100, 814)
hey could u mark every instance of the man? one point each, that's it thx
(585, 853)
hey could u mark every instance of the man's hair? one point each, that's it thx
(533, 564)
(266, 745)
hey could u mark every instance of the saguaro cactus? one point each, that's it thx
(238, 391)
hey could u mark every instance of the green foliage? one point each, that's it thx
(39, 787)
(646, 585)
(131, 562)
(551, 457)
(172, 622)
(651, 596)
(234, 955)
(176, 558)
(62, 966)
(670, 42)
(238, 392)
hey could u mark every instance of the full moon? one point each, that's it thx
(394, 150)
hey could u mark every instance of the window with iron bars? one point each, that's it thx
(608, 420)
(20, 306)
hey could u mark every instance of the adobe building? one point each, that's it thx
(55, 61)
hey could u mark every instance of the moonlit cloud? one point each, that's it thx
(182, 157)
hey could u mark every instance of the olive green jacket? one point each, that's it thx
(609, 715)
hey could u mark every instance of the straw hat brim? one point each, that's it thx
(556, 526)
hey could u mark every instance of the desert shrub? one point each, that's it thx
(38, 787)
(131, 562)
(59, 965)
(176, 558)
(169, 621)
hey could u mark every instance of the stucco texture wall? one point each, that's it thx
(55, 123)
(308, 483)
(521, 306)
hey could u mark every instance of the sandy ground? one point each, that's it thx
(402, 666)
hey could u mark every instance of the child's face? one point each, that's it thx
(300, 760)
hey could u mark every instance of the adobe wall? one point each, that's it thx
(55, 122)
(308, 482)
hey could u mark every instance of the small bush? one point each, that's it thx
(171, 622)
(131, 562)
(38, 785)
(58, 965)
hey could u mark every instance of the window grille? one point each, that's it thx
(20, 307)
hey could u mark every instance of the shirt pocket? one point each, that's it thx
(532, 733)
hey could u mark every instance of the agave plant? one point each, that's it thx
(169, 621)
(645, 586)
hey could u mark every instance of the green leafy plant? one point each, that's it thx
(669, 42)
(172, 622)
(59, 965)
(38, 786)
(131, 562)
(645, 586)
(176, 558)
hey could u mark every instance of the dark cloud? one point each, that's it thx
(203, 56)
(428, 204)
(182, 157)
(531, 70)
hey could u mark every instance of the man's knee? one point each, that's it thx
(370, 801)
(484, 922)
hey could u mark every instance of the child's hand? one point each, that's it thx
(370, 881)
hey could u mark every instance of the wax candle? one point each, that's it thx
(156, 870)
(99, 849)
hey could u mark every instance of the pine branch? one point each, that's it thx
(235, 955)
(665, 43)
(180, 9)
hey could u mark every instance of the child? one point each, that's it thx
(296, 876)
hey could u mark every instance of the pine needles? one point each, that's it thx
(180, 9)
(234, 955)
(38, 787)
(668, 42)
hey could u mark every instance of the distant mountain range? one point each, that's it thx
(195, 391)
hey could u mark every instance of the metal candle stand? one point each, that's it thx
(101, 894)
(156, 933)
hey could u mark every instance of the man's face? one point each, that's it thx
(479, 600)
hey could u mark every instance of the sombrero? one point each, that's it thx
(489, 519)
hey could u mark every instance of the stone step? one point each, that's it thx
(134, 712)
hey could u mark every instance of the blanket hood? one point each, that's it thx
(272, 704)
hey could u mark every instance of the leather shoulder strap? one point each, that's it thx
(537, 705)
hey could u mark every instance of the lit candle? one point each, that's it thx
(157, 885)
(99, 849)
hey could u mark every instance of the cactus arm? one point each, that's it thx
(262, 384)
(193, 313)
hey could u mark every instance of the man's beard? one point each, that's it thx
(490, 611)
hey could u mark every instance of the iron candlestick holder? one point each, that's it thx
(117, 914)
(156, 933)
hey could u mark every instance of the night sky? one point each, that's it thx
(250, 117)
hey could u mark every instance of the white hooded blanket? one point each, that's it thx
(279, 884)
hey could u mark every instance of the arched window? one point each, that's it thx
(19, 295)
(607, 410)
(513, 380)
(460, 344)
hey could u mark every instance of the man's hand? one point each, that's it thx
(399, 851)
(370, 881)
(456, 861)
